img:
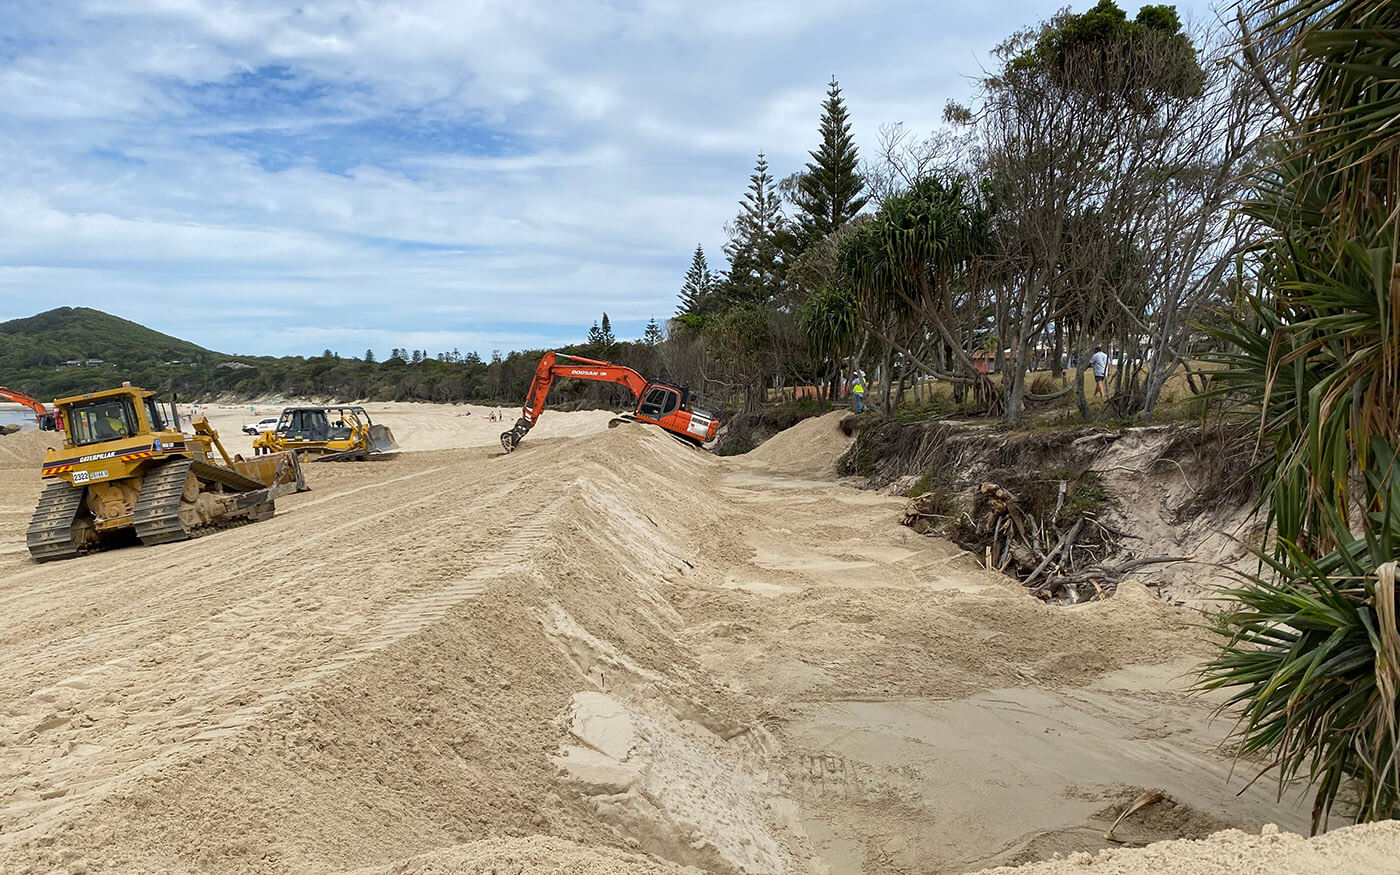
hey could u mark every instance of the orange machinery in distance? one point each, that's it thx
(41, 415)
(657, 403)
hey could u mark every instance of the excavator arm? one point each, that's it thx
(21, 398)
(554, 365)
(41, 414)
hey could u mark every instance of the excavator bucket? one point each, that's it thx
(511, 439)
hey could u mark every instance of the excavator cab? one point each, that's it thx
(658, 402)
(669, 407)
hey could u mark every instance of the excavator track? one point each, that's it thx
(157, 516)
(628, 419)
(50, 535)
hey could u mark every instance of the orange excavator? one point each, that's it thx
(41, 415)
(657, 403)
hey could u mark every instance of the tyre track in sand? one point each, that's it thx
(94, 709)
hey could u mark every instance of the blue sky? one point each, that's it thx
(266, 178)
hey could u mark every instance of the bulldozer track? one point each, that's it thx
(157, 517)
(50, 533)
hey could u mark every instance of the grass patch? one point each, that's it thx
(929, 481)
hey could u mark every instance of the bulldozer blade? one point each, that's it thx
(381, 439)
(281, 472)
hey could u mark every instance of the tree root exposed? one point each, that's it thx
(1060, 553)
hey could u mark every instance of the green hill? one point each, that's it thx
(81, 333)
(37, 353)
(49, 355)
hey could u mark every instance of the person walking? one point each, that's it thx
(858, 389)
(1099, 362)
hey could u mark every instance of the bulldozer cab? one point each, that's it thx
(321, 423)
(304, 425)
(114, 415)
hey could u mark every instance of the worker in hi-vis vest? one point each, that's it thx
(858, 389)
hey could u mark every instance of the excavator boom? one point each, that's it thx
(21, 398)
(41, 414)
(551, 367)
(658, 403)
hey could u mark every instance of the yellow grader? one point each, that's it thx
(328, 434)
(124, 468)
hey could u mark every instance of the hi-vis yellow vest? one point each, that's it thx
(858, 388)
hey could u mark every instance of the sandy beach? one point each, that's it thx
(605, 652)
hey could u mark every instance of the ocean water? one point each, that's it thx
(15, 415)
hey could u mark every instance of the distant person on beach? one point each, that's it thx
(858, 389)
(1099, 362)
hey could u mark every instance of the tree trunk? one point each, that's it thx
(1015, 394)
(1015, 371)
(1080, 349)
(886, 384)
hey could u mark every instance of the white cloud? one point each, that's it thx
(491, 174)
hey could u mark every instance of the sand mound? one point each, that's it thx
(26, 449)
(1367, 848)
(808, 449)
(601, 653)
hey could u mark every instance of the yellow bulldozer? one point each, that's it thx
(125, 469)
(327, 434)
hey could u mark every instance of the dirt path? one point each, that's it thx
(601, 653)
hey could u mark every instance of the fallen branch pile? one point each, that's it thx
(1058, 553)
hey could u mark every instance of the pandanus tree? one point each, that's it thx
(831, 324)
(909, 265)
(1312, 650)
